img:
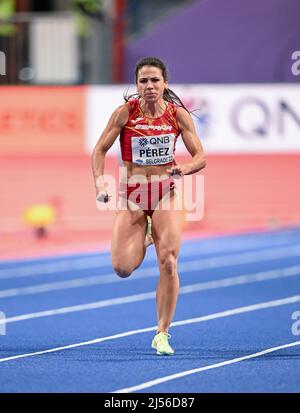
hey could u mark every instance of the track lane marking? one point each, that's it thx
(110, 278)
(170, 377)
(187, 289)
(79, 264)
(226, 313)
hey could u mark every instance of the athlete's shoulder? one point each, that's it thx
(133, 103)
(182, 113)
(184, 119)
(121, 114)
(134, 108)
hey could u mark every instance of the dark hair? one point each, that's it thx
(168, 95)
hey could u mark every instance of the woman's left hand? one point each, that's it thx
(176, 170)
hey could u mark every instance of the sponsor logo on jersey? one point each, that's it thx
(136, 120)
(154, 140)
(154, 127)
(143, 141)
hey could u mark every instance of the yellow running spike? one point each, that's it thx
(161, 344)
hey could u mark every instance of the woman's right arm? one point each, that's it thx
(113, 129)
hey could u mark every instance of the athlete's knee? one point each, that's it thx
(168, 263)
(122, 271)
(121, 268)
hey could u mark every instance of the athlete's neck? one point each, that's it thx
(153, 109)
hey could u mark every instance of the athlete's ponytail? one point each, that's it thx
(171, 96)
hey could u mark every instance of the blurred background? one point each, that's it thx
(64, 67)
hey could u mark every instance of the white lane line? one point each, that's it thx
(194, 265)
(81, 307)
(247, 257)
(187, 289)
(79, 264)
(164, 379)
(84, 343)
(226, 313)
(147, 273)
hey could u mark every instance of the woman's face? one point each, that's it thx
(150, 83)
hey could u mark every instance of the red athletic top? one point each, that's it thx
(149, 141)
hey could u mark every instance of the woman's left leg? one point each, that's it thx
(166, 231)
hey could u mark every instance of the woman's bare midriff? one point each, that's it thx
(137, 173)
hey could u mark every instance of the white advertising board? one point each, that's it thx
(235, 118)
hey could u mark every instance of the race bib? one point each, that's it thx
(152, 150)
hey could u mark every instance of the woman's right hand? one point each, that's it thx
(102, 194)
(103, 197)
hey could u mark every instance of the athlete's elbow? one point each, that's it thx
(203, 163)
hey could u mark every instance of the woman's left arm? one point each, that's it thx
(191, 142)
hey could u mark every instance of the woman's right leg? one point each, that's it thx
(127, 244)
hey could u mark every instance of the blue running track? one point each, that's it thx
(73, 326)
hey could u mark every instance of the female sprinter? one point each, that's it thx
(149, 126)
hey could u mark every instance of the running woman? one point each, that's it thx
(149, 124)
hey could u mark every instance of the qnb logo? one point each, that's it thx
(296, 64)
(2, 324)
(143, 142)
(296, 325)
(2, 64)
(254, 117)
